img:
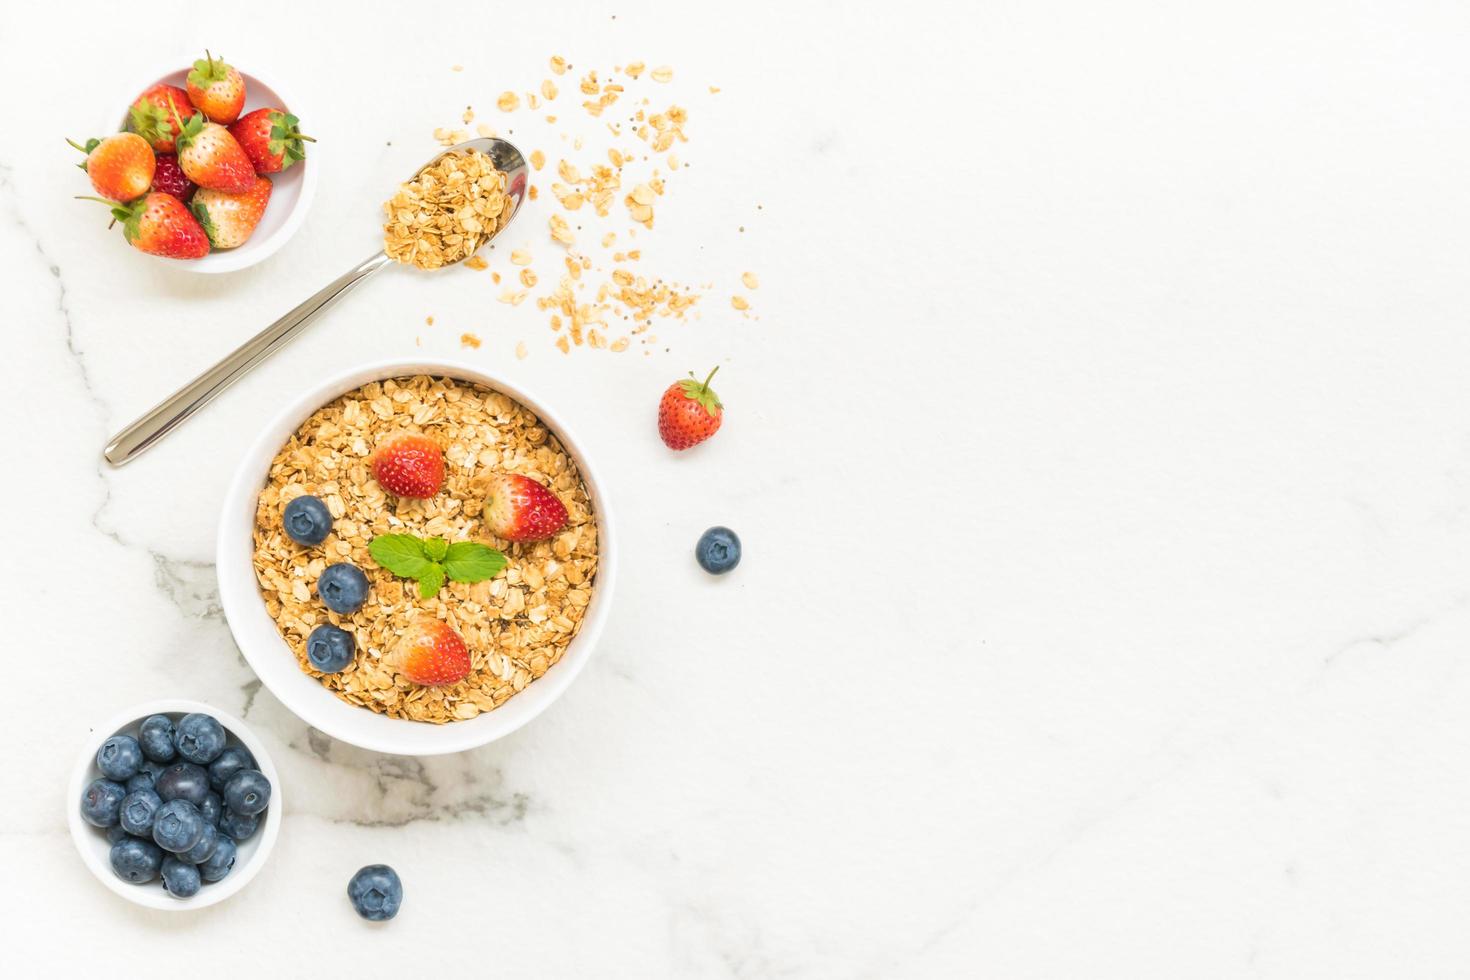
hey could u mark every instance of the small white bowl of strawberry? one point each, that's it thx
(209, 167)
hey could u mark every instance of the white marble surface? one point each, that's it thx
(1102, 454)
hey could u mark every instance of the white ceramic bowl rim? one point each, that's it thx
(91, 842)
(267, 653)
(297, 182)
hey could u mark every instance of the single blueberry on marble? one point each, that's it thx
(376, 892)
(718, 550)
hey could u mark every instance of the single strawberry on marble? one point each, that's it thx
(689, 412)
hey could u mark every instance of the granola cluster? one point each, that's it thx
(516, 625)
(448, 210)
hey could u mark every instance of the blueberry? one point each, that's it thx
(211, 808)
(156, 735)
(218, 864)
(135, 860)
(199, 738)
(178, 826)
(115, 833)
(180, 878)
(143, 780)
(248, 792)
(718, 550)
(376, 892)
(183, 781)
(230, 761)
(307, 520)
(101, 801)
(330, 648)
(343, 587)
(201, 851)
(119, 758)
(237, 826)
(137, 812)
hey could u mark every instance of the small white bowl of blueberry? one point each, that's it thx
(174, 805)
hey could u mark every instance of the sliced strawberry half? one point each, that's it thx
(517, 508)
(409, 466)
(431, 653)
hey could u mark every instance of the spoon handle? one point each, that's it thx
(183, 403)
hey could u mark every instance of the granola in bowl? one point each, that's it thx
(516, 625)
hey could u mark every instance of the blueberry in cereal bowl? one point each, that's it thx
(483, 543)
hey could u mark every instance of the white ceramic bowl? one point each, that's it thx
(92, 841)
(291, 193)
(270, 657)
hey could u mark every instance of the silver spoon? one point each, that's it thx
(174, 409)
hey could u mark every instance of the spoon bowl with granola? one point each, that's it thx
(454, 204)
(416, 557)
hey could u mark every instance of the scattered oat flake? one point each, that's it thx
(739, 302)
(456, 67)
(751, 282)
(635, 69)
(429, 320)
(508, 102)
(521, 351)
(469, 114)
(560, 230)
(528, 278)
(476, 262)
(538, 159)
(513, 296)
(714, 90)
(469, 340)
(558, 64)
(519, 256)
(548, 90)
(662, 74)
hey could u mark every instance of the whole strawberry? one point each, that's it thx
(121, 166)
(270, 139)
(409, 466)
(170, 178)
(216, 89)
(159, 224)
(210, 157)
(157, 115)
(689, 413)
(517, 508)
(229, 219)
(431, 653)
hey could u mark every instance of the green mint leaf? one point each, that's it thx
(401, 554)
(435, 548)
(431, 581)
(470, 561)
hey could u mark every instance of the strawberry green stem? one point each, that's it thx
(75, 145)
(705, 387)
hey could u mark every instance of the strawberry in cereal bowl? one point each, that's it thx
(416, 558)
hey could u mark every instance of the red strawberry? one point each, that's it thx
(228, 219)
(210, 157)
(689, 413)
(409, 466)
(156, 115)
(431, 653)
(270, 139)
(159, 224)
(169, 178)
(121, 166)
(517, 508)
(216, 89)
